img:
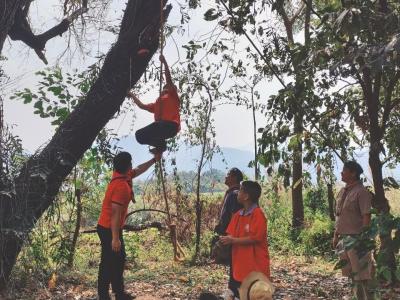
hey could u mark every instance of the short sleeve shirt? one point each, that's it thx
(119, 191)
(353, 203)
(254, 257)
(166, 107)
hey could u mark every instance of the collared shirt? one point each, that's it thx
(229, 207)
(251, 257)
(353, 202)
(242, 212)
(119, 191)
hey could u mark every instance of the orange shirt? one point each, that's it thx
(166, 107)
(119, 191)
(249, 258)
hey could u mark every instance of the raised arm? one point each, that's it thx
(167, 71)
(140, 169)
(139, 103)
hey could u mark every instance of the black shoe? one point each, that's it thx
(124, 296)
(103, 297)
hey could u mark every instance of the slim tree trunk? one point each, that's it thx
(297, 185)
(199, 169)
(41, 177)
(331, 201)
(255, 136)
(77, 228)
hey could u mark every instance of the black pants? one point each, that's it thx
(156, 133)
(111, 265)
(233, 285)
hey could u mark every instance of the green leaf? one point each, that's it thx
(211, 15)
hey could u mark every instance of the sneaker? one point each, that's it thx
(124, 296)
(157, 150)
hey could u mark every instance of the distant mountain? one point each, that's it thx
(187, 157)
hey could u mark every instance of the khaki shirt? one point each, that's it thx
(353, 202)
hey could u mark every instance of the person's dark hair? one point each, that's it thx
(122, 162)
(252, 188)
(237, 174)
(353, 167)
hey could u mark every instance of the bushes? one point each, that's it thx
(316, 237)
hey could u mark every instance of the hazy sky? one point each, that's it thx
(233, 124)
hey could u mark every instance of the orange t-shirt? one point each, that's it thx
(166, 107)
(249, 258)
(119, 191)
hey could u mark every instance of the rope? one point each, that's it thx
(179, 253)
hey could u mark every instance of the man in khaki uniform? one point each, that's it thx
(353, 214)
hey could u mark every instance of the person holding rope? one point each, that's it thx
(167, 121)
(118, 195)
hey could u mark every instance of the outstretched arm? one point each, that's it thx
(137, 101)
(167, 71)
(140, 169)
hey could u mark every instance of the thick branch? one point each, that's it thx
(22, 31)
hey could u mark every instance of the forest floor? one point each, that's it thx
(294, 278)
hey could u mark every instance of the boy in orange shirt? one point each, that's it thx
(247, 233)
(166, 115)
(111, 221)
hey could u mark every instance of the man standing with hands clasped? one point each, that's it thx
(111, 221)
(353, 214)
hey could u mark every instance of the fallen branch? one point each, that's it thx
(154, 210)
(135, 228)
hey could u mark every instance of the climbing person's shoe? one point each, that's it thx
(157, 150)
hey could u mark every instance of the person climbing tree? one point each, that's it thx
(166, 115)
(111, 221)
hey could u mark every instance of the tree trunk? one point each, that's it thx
(77, 228)
(331, 201)
(41, 177)
(256, 173)
(297, 185)
(199, 205)
(371, 91)
(386, 250)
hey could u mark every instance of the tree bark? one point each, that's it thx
(331, 201)
(41, 177)
(297, 187)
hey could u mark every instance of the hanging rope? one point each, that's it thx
(179, 254)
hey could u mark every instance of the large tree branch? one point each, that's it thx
(22, 31)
